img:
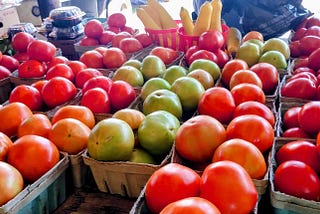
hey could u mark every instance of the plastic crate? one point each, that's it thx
(121, 177)
(283, 203)
(42, 196)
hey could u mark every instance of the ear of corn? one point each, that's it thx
(152, 13)
(233, 40)
(167, 21)
(186, 20)
(146, 19)
(216, 15)
(204, 19)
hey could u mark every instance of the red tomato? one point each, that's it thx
(60, 70)
(88, 41)
(211, 40)
(99, 81)
(203, 54)
(291, 118)
(295, 132)
(303, 69)
(11, 182)
(195, 205)
(304, 181)
(189, 52)
(257, 108)
(215, 187)
(41, 50)
(57, 91)
(121, 95)
(21, 56)
(244, 153)
(86, 74)
(307, 115)
(300, 150)
(197, 138)
(115, 42)
(76, 66)
(21, 40)
(170, 183)
(57, 60)
(252, 128)
(306, 75)
(167, 55)
(218, 103)
(97, 100)
(10, 62)
(28, 95)
(106, 37)
(130, 45)
(33, 156)
(4, 72)
(114, 57)
(244, 76)
(247, 92)
(93, 28)
(92, 59)
(39, 84)
(222, 57)
(31, 69)
(230, 68)
(269, 76)
(298, 34)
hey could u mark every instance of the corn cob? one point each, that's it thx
(147, 20)
(216, 15)
(167, 21)
(204, 19)
(186, 20)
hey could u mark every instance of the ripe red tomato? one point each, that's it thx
(215, 187)
(33, 156)
(254, 107)
(97, 100)
(307, 115)
(203, 54)
(93, 28)
(218, 103)
(197, 138)
(195, 205)
(106, 37)
(121, 95)
(306, 75)
(21, 56)
(31, 69)
(247, 92)
(57, 91)
(190, 51)
(244, 76)
(230, 68)
(28, 95)
(9, 62)
(291, 118)
(41, 50)
(269, 76)
(99, 81)
(4, 72)
(60, 70)
(130, 45)
(86, 74)
(167, 55)
(295, 132)
(21, 40)
(252, 128)
(170, 183)
(304, 181)
(308, 44)
(11, 182)
(211, 40)
(88, 41)
(300, 150)
(114, 57)
(57, 60)
(92, 59)
(76, 66)
(222, 57)
(115, 42)
(39, 84)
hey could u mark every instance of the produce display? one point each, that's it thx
(177, 125)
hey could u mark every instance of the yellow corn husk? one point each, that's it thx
(167, 21)
(204, 19)
(186, 20)
(153, 14)
(147, 20)
(216, 15)
(233, 40)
